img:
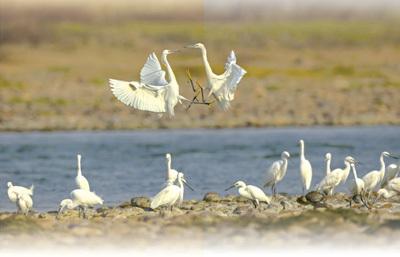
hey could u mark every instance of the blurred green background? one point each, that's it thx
(307, 66)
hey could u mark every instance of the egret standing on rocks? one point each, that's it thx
(223, 86)
(253, 193)
(80, 180)
(82, 199)
(14, 191)
(277, 171)
(391, 172)
(170, 195)
(305, 169)
(24, 203)
(153, 93)
(374, 178)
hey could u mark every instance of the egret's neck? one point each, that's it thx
(169, 164)
(354, 172)
(383, 166)
(170, 72)
(302, 151)
(79, 167)
(328, 166)
(205, 61)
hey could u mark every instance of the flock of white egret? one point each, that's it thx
(385, 179)
(155, 94)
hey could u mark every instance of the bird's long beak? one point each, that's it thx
(230, 187)
(189, 46)
(174, 51)
(394, 156)
(186, 183)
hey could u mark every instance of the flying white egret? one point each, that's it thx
(328, 159)
(222, 86)
(277, 171)
(80, 180)
(305, 169)
(82, 199)
(391, 172)
(14, 191)
(153, 93)
(373, 178)
(172, 174)
(24, 203)
(253, 193)
(335, 177)
(170, 195)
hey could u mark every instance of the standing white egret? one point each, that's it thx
(391, 172)
(170, 195)
(253, 193)
(335, 177)
(373, 178)
(277, 171)
(24, 203)
(80, 180)
(172, 174)
(14, 191)
(153, 93)
(305, 169)
(222, 86)
(328, 159)
(82, 199)
(358, 186)
(394, 185)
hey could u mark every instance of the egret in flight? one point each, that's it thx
(14, 191)
(24, 203)
(153, 93)
(305, 169)
(171, 194)
(373, 178)
(172, 174)
(222, 87)
(82, 199)
(80, 180)
(277, 171)
(253, 193)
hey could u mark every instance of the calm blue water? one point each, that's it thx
(120, 165)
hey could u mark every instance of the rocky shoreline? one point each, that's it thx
(213, 221)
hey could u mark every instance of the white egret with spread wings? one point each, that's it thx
(222, 87)
(153, 93)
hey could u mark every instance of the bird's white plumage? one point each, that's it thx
(374, 178)
(223, 86)
(14, 191)
(152, 73)
(24, 203)
(335, 177)
(391, 172)
(80, 180)
(251, 192)
(277, 171)
(172, 174)
(85, 198)
(394, 185)
(305, 168)
(170, 195)
(357, 186)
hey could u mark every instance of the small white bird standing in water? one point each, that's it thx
(374, 178)
(222, 87)
(276, 172)
(82, 199)
(305, 169)
(253, 193)
(14, 191)
(24, 203)
(172, 174)
(171, 194)
(80, 180)
(153, 93)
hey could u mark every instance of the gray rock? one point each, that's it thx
(141, 202)
(212, 197)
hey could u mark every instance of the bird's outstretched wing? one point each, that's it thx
(151, 73)
(233, 72)
(139, 96)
